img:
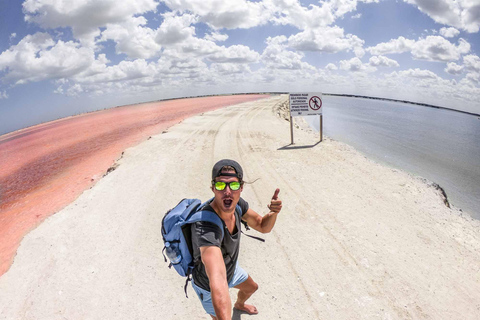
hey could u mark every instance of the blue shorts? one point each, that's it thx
(205, 296)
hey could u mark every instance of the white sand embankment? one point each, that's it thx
(355, 240)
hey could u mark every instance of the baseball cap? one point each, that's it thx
(217, 169)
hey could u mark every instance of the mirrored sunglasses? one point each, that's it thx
(234, 185)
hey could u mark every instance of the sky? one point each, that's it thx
(66, 57)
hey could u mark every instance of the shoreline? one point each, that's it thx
(448, 179)
(282, 111)
(247, 93)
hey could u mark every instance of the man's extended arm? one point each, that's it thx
(264, 224)
(217, 275)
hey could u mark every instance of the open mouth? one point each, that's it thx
(227, 203)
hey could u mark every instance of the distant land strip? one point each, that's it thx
(336, 95)
(266, 92)
(379, 98)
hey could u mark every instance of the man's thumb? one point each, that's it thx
(275, 195)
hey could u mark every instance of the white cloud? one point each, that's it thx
(432, 48)
(453, 68)
(425, 86)
(355, 65)
(462, 14)
(357, 16)
(420, 84)
(418, 74)
(291, 12)
(177, 36)
(3, 95)
(74, 90)
(129, 70)
(472, 62)
(399, 45)
(247, 14)
(98, 66)
(331, 67)
(381, 61)
(198, 47)
(235, 54)
(449, 32)
(436, 48)
(471, 15)
(276, 55)
(37, 57)
(224, 14)
(230, 68)
(472, 66)
(359, 52)
(178, 64)
(175, 29)
(473, 78)
(175, 65)
(216, 37)
(127, 76)
(85, 17)
(182, 60)
(12, 36)
(327, 39)
(132, 39)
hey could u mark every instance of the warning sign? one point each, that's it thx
(305, 104)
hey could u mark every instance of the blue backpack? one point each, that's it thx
(177, 237)
(176, 234)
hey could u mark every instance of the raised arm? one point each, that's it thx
(217, 275)
(264, 224)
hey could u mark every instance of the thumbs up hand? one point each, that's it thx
(275, 205)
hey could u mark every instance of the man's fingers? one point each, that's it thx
(275, 195)
(275, 204)
(275, 207)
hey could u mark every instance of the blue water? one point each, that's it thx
(442, 146)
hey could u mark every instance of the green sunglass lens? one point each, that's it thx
(234, 186)
(220, 185)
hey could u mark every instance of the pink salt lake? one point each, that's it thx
(47, 166)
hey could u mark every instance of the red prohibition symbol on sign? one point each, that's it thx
(315, 103)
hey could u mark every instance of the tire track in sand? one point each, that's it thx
(250, 147)
(246, 149)
(231, 140)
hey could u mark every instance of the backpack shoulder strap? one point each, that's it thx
(245, 224)
(209, 216)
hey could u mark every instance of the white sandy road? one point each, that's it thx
(355, 240)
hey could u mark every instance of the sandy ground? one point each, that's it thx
(355, 240)
(46, 167)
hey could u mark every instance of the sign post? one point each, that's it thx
(291, 129)
(321, 128)
(305, 104)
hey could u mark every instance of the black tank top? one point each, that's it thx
(206, 234)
